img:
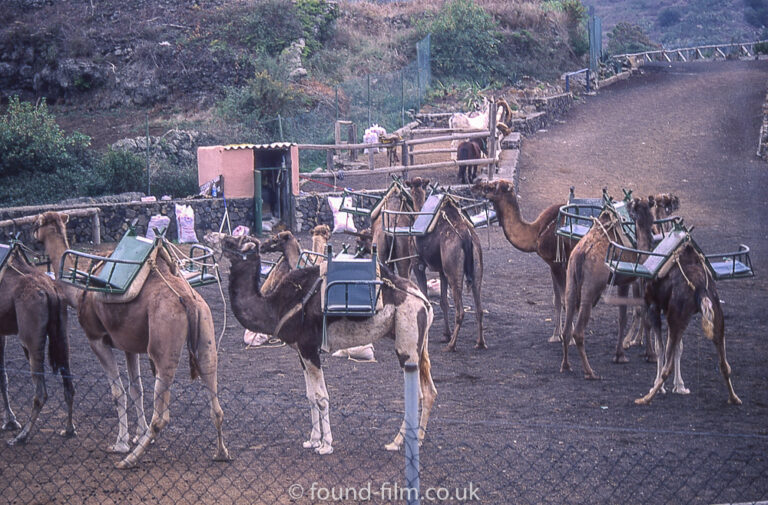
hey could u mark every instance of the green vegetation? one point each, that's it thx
(628, 38)
(756, 13)
(669, 16)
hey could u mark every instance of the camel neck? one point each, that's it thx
(520, 233)
(251, 309)
(54, 247)
(292, 252)
(318, 244)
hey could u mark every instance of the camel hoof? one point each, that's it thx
(324, 449)
(620, 360)
(222, 456)
(734, 401)
(68, 433)
(120, 448)
(591, 377)
(651, 358)
(124, 464)
(311, 444)
(682, 390)
(555, 339)
(481, 345)
(449, 348)
(565, 368)
(11, 426)
(19, 440)
(642, 401)
(392, 446)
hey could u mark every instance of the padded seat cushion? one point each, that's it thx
(483, 219)
(5, 253)
(120, 275)
(574, 230)
(727, 269)
(350, 298)
(667, 247)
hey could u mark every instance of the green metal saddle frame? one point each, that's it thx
(201, 269)
(351, 288)
(421, 222)
(722, 266)
(574, 219)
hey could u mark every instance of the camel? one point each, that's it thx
(537, 236)
(453, 250)
(321, 234)
(286, 243)
(165, 314)
(293, 312)
(398, 250)
(468, 150)
(665, 205)
(587, 276)
(685, 290)
(33, 308)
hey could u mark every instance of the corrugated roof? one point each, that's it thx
(273, 145)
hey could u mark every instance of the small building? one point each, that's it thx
(268, 173)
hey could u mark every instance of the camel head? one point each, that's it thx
(364, 242)
(241, 248)
(665, 204)
(277, 242)
(322, 230)
(493, 190)
(641, 213)
(50, 224)
(418, 188)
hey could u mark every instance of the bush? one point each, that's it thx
(669, 16)
(465, 40)
(271, 26)
(756, 13)
(628, 38)
(177, 182)
(31, 141)
(119, 172)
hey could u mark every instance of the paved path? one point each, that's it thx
(687, 128)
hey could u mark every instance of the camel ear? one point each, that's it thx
(651, 201)
(284, 235)
(248, 246)
(408, 184)
(65, 218)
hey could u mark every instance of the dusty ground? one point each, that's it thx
(507, 422)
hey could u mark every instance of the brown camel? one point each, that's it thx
(321, 234)
(293, 312)
(398, 250)
(685, 290)
(287, 244)
(32, 308)
(453, 250)
(537, 236)
(588, 275)
(165, 314)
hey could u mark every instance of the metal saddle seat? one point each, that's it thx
(351, 287)
(200, 269)
(574, 219)
(722, 266)
(424, 221)
(480, 214)
(5, 256)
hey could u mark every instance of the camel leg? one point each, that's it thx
(10, 422)
(36, 356)
(458, 319)
(585, 310)
(719, 341)
(679, 385)
(69, 395)
(445, 307)
(620, 357)
(420, 272)
(673, 336)
(558, 289)
(136, 392)
(322, 403)
(654, 320)
(314, 436)
(571, 301)
(160, 417)
(476, 288)
(109, 364)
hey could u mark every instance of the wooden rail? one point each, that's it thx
(691, 53)
(90, 211)
(405, 168)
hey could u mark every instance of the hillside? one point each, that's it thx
(680, 23)
(110, 68)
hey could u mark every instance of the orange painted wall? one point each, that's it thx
(236, 165)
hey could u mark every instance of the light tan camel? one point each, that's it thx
(293, 312)
(588, 275)
(166, 313)
(321, 234)
(398, 250)
(453, 250)
(537, 236)
(32, 308)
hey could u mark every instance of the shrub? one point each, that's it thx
(756, 13)
(669, 16)
(271, 26)
(177, 182)
(465, 40)
(628, 38)
(119, 172)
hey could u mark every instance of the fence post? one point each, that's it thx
(567, 83)
(587, 80)
(95, 228)
(257, 202)
(491, 138)
(368, 79)
(280, 126)
(413, 489)
(148, 182)
(402, 98)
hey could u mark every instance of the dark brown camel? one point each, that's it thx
(293, 312)
(453, 250)
(537, 236)
(32, 308)
(687, 289)
(587, 277)
(287, 244)
(165, 315)
(468, 150)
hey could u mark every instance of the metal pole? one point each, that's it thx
(402, 98)
(587, 80)
(337, 103)
(368, 78)
(257, 202)
(413, 490)
(567, 83)
(280, 126)
(148, 185)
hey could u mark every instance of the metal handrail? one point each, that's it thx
(568, 76)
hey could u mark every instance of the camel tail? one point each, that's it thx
(469, 259)
(707, 317)
(58, 341)
(193, 337)
(425, 365)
